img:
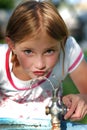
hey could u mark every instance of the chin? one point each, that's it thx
(32, 76)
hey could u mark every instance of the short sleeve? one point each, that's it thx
(73, 54)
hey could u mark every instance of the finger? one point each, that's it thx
(84, 112)
(66, 101)
(70, 112)
(80, 112)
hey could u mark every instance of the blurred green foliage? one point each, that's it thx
(6, 4)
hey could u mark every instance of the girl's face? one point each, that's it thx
(37, 56)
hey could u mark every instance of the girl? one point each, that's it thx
(38, 48)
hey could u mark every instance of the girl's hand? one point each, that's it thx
(77, 105)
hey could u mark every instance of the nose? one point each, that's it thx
(40, 63)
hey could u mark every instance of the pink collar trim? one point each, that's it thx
(9, 75)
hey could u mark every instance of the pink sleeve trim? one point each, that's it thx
(76, 62)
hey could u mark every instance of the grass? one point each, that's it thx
(68, 86)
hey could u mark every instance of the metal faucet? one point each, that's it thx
(57, 108)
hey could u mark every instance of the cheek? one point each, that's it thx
(52, 61)
(24, 61)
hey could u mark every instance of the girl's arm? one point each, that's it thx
(77, 104)
(79, 77)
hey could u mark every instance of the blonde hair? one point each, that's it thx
(31, 16)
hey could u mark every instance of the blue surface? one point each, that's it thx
(35, 124)
(72, 126)
(30, 124)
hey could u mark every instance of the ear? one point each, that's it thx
(10, 43)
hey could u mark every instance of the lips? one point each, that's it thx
(39, 73)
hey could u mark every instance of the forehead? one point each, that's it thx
(40, 35)
(40, 40)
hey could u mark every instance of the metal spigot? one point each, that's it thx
(57, 108)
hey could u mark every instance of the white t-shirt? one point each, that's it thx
(21, 99)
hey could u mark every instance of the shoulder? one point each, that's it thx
(73, 54)
(72, 48)
(3, 48)
(3, 51)
(71, 43)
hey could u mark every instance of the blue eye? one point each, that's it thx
(27, 52)
(50, 51)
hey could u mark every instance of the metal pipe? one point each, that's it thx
(57, 108)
